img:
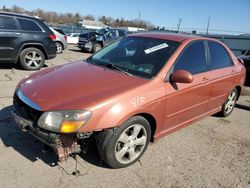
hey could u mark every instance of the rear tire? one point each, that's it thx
(229, 104)
(123, 146)
(59, 47)
(32, 59)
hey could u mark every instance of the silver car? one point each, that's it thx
(61, 40)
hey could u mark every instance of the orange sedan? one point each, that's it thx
(132, 92)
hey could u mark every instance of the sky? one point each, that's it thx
(227, 15)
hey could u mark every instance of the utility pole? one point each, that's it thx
(179, 25)
(139, 15)
(208, 23)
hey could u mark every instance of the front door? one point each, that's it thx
(187, 101)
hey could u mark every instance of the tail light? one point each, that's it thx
(65, 37)
(52, 37)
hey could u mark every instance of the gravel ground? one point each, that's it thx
(214, 152)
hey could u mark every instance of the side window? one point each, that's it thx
(193, 59)
(219, 56)
(8, 23)
(121, 33)
(29, 25)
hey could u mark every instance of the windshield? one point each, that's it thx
(137, 56)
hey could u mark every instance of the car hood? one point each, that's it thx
(77, 85)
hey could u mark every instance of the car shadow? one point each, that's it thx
(79, 51)
(26, 145)
(9, 66)
(14, 66)
(75, 50)
(247, 83)
(12, 136)
(242, 107)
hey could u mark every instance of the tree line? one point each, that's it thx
(56, 18)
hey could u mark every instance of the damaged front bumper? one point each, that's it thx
(62, 144)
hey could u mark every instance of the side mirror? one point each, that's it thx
(181, 76)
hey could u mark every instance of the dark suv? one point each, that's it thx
(25, 39)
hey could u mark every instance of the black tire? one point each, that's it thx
(226, 111)
(83, 50)
(96, 48)
(32, 59)
(59, 47)
(109, 142)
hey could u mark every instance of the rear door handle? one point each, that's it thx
(204, 80)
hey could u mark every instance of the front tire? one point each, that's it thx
(229, 104)
(32, 59)
(96, 48)
(123, 146)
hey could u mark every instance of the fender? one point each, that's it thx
(33, 44)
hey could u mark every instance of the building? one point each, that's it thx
(91, 24)
(133, 29)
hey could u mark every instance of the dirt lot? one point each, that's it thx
(212, 153)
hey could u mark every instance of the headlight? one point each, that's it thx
(64, 121)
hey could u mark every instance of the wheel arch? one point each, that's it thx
(60, 43)
(152, 122)
(34, 45)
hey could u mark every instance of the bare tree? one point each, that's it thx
(69, 18)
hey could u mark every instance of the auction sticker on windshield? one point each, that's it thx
(156, 48)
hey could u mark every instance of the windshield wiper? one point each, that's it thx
(112, 66)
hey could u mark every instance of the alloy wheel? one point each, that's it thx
(130, 144)
(33, 59)
(230, 102)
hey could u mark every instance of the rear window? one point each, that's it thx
(29, 25)
(8, 23)
(59, 31)
(219, 56)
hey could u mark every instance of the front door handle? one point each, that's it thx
(233, 71)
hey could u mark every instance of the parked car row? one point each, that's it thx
(94, 41)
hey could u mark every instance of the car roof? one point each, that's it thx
(167, 36)
(19, 15)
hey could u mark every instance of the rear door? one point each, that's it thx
(222, 74)
(187, 101)
(9, 38)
